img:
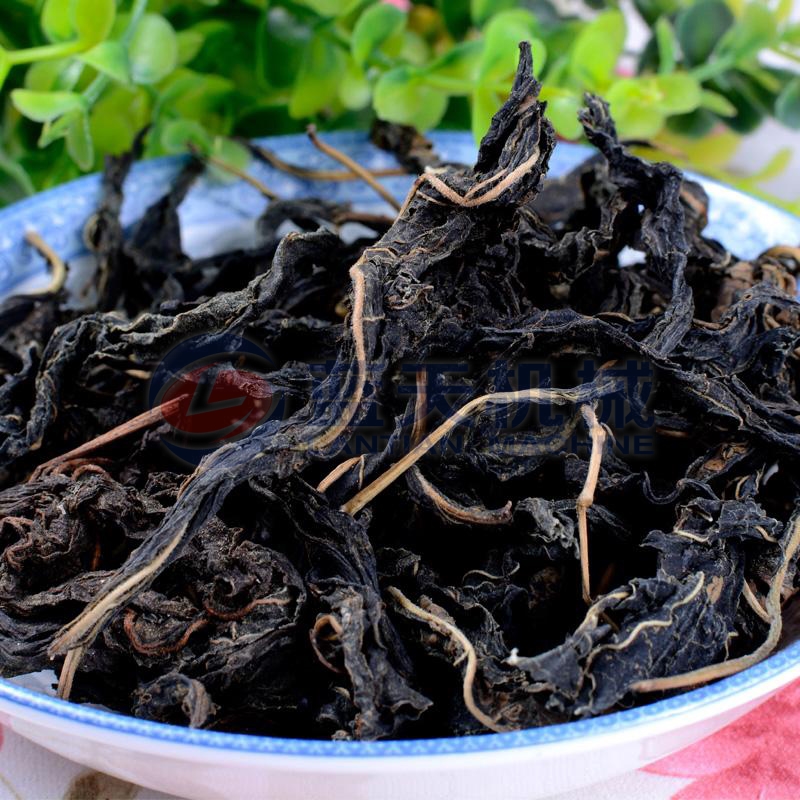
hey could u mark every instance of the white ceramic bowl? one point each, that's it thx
(201, 764)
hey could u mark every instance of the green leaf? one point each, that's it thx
(711, 151)
(791, 35)
(190, 42)
(501, 39)
(695, 124)
(783, 10)
(5, 66)
(718, 103)
(678, 93)
(56, 20)
(699, 28)
(401, 96)
(639, 122)
(178, 133)
(414, 49)
(192, 94)
(111, 135)
(280, 45)
(14, 170)
(153, 50)
(485, 103)
(229, 152)
(92, 20)
(373, 28)
(459, 64)
(751, 103)
(56, 129)
(640, 105)
(665, 39)
(597, 50)
(768, 81)
(330, 8)
(117, 116)
(649, 60)
(651, 10)
(482, 10)
(787, 106)
(59, 74)
(354, 89)
(755, 30)
(317, 82)
(562, 110)
(45, 106)
(79, 142)
(456, 16)
(110, 58)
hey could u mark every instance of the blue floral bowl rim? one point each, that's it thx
(714, 694)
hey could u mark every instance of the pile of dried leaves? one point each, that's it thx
(286, 586)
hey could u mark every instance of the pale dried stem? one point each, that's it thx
(420, 407)
(783, 251)
(586, 497)
(353, 166)
(446, 628)
(754, 602)
(790, 544)
(473, 407)
(320, 174)
(313, 634)
(357, 327)
(224, 165)
(57, 266)
(473, 515)
(67, 676)
(467, 200)
(337, 473)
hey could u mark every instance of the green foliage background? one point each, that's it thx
(79, 78)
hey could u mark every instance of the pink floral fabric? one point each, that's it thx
(755, 758)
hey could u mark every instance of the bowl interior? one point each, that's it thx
(216, 217)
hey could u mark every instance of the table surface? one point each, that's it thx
(755, 758)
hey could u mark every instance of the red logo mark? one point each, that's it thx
(216, 400)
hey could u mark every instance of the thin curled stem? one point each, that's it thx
(357, 328)
(734, 665)
(471, 515)
(145, 420)
(353, 166)
(440, 625)
(68, 670)
(57, 266)
(470, 409)
(239, 173)
(338, 471)
(306, 173)
(586, 497)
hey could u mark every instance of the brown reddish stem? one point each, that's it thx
(145, 420)
(319, 174)
(353, 166)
